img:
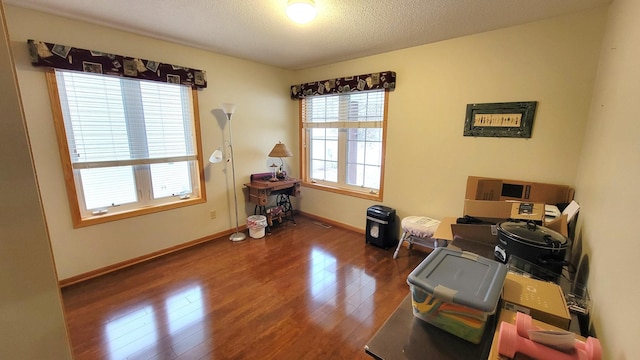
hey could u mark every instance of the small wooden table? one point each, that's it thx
(261, 188)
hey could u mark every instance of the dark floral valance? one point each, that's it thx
(381, 80)
(70, 58)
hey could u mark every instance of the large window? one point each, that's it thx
(129, 146)
(343, 141)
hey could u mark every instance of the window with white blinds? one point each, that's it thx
(131, 143)
(344, 142)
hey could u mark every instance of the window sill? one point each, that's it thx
(79, 222)
(342, 191)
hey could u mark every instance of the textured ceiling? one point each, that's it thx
(343, 29)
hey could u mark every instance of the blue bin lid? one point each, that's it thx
(460, 277)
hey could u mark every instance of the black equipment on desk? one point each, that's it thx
(539, 245)
(381, 228)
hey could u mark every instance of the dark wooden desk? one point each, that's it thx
(259, 191)
(404, 337)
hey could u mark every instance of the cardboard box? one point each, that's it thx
(544, 301)
(448, 227)
(559, 224)
(498, 211)
(492, 189)
(510, 317)
(443, 232)
(475, 244)
(489, 211)
(449, 230)
(482, 238)
(528, 212)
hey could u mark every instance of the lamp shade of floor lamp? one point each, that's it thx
(217, 156)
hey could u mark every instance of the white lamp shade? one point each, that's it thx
(301, 11)
(216, 157)
(228, 108)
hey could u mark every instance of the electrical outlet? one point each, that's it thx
(212, 214)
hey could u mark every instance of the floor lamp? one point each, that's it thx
(217, 156)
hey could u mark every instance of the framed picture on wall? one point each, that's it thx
(511, 119)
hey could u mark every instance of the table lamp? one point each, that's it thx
(280, 150)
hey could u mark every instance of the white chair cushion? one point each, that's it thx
(420, 226)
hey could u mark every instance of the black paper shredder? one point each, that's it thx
(381, 226)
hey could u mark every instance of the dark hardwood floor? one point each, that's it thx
(304, 292)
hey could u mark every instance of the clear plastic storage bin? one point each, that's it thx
(457, 291)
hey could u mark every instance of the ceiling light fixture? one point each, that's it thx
(301, 11)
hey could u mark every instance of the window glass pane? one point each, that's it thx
(333, 133)
(318, 150)
(170, 179)
(360, 153)
(324, 144)
(317, 169)
(109, 186)
(331, 171)
(359, 147)
(372, 177)
(125, 137)
(372, 153)
(357, 134)
(374, 135)
(366, 106)
(323, 108)
(324, 170)
(318, 133)
(359, 117)
(355, 174)
(332, 150)
(167, 132)
(317, 108)
(95, 117)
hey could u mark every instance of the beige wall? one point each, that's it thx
(428, 159)
(33, 325)
(263, 117)
(607, 185)
(554, 62)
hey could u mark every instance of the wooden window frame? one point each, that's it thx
(78, 219)
(307, 181)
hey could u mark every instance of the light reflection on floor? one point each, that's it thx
(131, 333)
(184, 308)
(323, 277)
(341, 297)
(356, 301)
(136, 333)
(187, 323)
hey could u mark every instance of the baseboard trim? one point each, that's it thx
(125, 264)
(333, 222)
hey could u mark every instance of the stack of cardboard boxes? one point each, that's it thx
(492, 201)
